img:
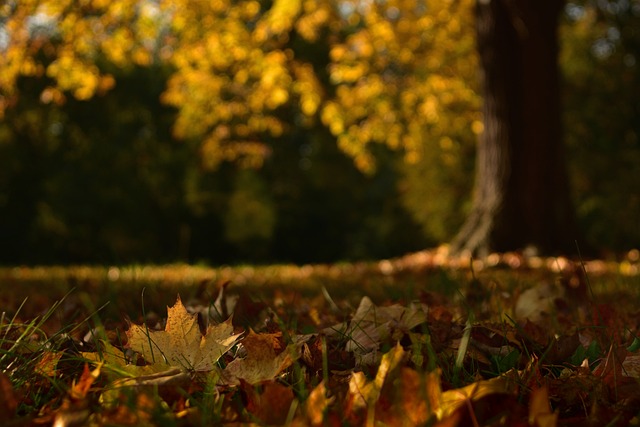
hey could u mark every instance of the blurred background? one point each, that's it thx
(151, 131)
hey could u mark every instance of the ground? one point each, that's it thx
(421, 339)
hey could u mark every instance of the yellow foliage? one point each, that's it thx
(404, 67)
(399, 74)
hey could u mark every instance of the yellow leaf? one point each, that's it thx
(540, 414)
(47, 365)
(181, 343)
(316, 404)
(453, 399)
(80, 388)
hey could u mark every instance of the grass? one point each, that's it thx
(468, 339)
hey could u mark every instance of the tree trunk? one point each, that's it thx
(521, 194)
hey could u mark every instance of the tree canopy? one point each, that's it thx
(245, 72)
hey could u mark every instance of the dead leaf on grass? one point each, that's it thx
(372, 325)
(364, 393)
(164, 383)
(539, 302)
(421, 395)
(264, 361)
(181, 343)
(47, 364)
(454, 399)
(270, 402)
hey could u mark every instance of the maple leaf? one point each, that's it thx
(263, 362)
(181, 343)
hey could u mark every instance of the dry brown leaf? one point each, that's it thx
(539, 302)
(372, 325)
(454, 399)
(181, 343)
(8, 399)
(366, 394)
(263, 362)
(421, 395)
(631, 366)
(270, 403)
(48, 362)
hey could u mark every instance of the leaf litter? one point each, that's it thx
(549, 355)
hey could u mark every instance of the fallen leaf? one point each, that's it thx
(631, 366)
(74, 409)
(540, 414)
(420, 396)
(539, 302)
(611, 368)
(113, 361)
(371, 325)
(270, 402)
(80, 389)
(168, 382)
(47, 364)
(316, 405)
(264, 360)
(451, 400)
(365, 394)
(8, 400)
(181, 343)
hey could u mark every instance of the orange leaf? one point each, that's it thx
(80, 389)
(316, 405)
(8, 400)
(269, 402)
(47, 364)
(540, 414)
(262, 362)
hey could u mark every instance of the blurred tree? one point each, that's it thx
(383, 72)
(270, 84)
(522, 194)
(601, 65)
(92, 180)
(246, 74)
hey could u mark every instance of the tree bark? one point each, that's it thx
(521, 196)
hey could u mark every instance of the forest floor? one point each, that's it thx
(418, 340)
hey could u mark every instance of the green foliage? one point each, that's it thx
(602, 119)
(251, 212)
(437, 189)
